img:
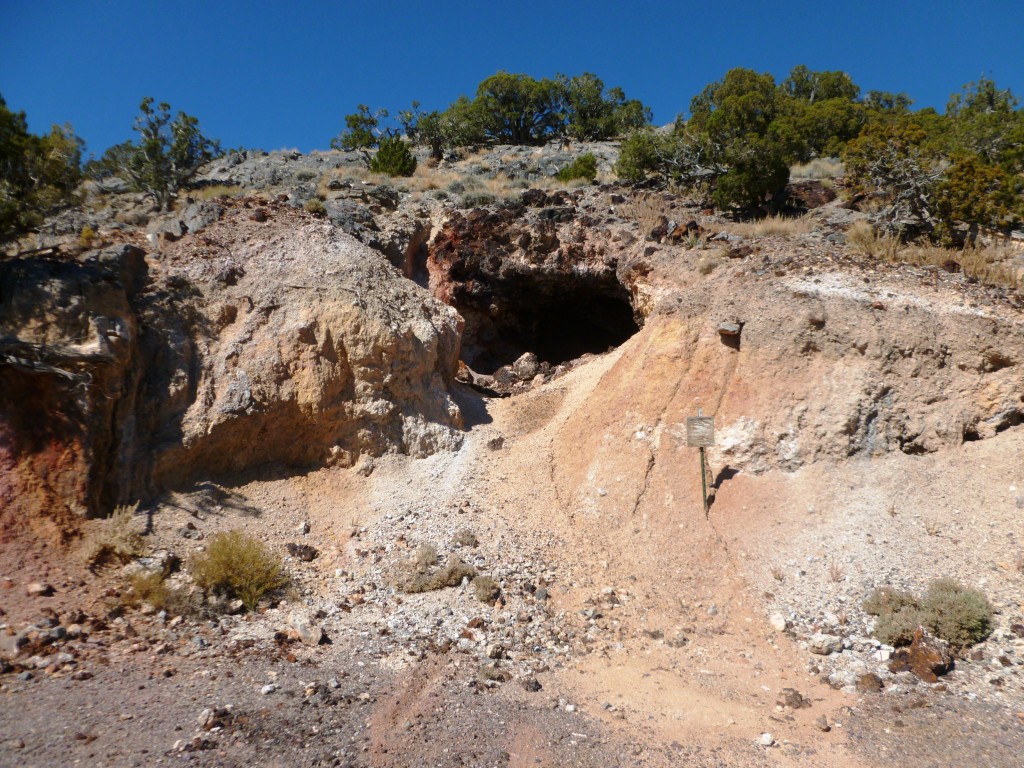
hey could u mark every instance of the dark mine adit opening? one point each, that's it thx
(558, 317)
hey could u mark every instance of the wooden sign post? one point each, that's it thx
(700, 433)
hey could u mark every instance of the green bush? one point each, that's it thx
(958, 615)
(38, 174)
(237, 565)
(393, 158)
(583, 167)
(316, 207)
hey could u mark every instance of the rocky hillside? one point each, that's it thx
(455, 406)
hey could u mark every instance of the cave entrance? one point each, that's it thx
(559, 317)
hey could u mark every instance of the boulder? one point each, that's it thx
(824, 645)
(304, 630)
(927, 657)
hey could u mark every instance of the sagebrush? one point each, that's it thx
(237, 565)
(959, 615)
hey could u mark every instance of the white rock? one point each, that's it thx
(766, 740)
(823, 645)
(778, 622)
(266, 690)
(305, 630)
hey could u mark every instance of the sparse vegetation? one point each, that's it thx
(149, 587)
(214, 191)
(992, 265)
(316, 207)
(117, 541)
(237, 565)
(953, 612)
(817, 169)
(87, 237)
(646, 209)
(776, 225)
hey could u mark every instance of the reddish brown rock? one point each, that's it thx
(810, 194)
(927, 657)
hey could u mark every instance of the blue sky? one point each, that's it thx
(284, 74)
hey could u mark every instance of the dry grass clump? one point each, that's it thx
(817, 169)
(117, 541)
(646, 209)
(769, 226)
(151, 588)
(237, 565)
(862, 238)
(423, 574)
(217, 190)
(992, 265)
(709, 261)
(959, 615)
(316, 207)
(486, 589)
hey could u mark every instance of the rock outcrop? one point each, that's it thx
(68, 351)
(265, 340)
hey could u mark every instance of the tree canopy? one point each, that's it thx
(169, 152)
(38, 174)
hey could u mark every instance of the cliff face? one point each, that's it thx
(267, 340)
(304, 348)
(68, 347)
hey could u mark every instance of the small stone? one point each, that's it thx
(14, 744)
(495, 651)
(766, 740)
(496, 443)
(268, 689)
(10, 645)
(778, 622)
(304, 630)
(525, 367)
(303, 552)
(39, 589)
(869, 683)
(824, 645)
(822, 724)
(303, 528)
(790, 697)
(531, 684)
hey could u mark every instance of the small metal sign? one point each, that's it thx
(700, 431)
